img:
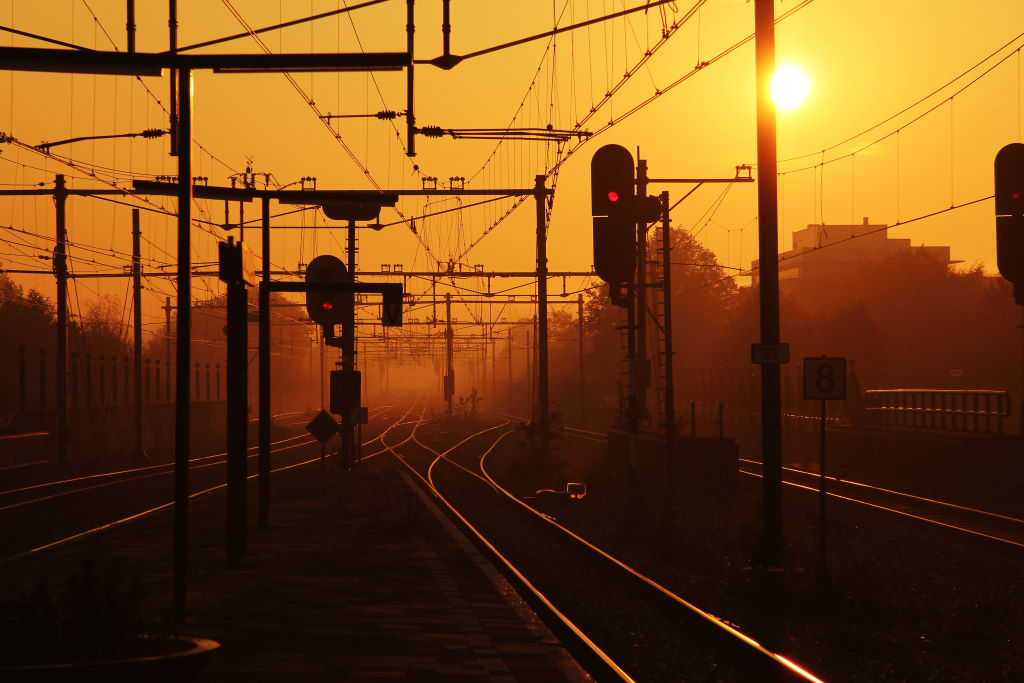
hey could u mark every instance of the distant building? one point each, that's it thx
(807, 270)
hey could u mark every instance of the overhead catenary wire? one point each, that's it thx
(312, 105)
(909, 123)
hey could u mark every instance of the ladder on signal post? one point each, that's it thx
(622, 383)
(657, 312)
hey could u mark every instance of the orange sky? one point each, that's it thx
(867, 61)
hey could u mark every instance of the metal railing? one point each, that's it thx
(960, 410)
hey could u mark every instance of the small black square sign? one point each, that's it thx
(824, 378)
(322, 427)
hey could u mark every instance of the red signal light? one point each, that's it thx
(1015, 195)
(327, 305)
(613, 196)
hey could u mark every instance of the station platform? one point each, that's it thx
(360, 577)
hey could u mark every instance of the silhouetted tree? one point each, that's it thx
(908, 320)
(27, 320)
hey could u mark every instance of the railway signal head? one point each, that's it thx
(613, 206)
(611, 181)
(1010, 180)
(328, 308)
(1009, 196)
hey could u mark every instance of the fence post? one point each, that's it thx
(22, 379)
(88, 379)
(74, 379)
(988, 413)
(1003, 405)
(42, 379)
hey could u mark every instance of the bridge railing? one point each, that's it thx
(962, 410)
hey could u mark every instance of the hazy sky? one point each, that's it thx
(867, 59)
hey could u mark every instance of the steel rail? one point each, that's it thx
(902, 494)
(145, 513)
(896, 511)
(549, 605)
(706, 616)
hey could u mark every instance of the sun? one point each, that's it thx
(789, 87)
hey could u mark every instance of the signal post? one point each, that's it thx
(236, 269)
(1009, 200)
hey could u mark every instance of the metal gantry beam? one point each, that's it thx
(379, 273)
(245, 194)
(153, 63)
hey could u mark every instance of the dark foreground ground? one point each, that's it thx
(904, 601)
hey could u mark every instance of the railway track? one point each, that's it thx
(621, 624)
(991, 526)
(42, 516)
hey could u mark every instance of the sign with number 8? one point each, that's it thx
(824, 378)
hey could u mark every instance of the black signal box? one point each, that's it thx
(345, 387)
(613, 205)
(1009, 196)
(1009, 185)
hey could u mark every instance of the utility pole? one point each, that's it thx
(182, 390)
(60, 268)
(348, 351)
(542, 316)
(583, 393)
(237, 417)
(137, 325)
(167, 350)
(768, 253)
(323, 371)
(130, 25)
(449, 340)
(264, 362)
(529, 366)
(172, 25)
(508, 399)
(666, 274)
